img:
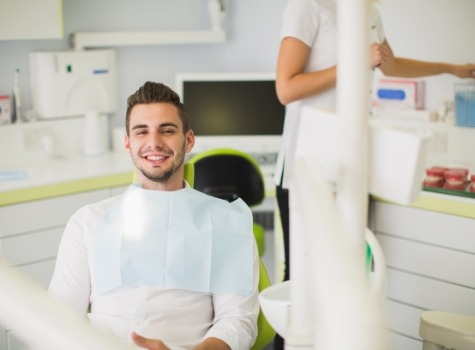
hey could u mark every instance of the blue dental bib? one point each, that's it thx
(174, 239)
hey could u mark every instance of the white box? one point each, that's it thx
(399, 94)
(396, 155)
(71, 83)
(5, 115)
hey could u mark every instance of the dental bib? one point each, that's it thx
(174, 239)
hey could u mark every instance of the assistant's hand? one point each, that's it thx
(381, 56)
(150, 344)
(465, 70)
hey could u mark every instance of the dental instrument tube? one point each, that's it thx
(331, 293)
(301, 318)
(42, 321)
(360, 318)
(353, 113)
(16, 99)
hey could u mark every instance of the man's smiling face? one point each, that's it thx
(158, 145)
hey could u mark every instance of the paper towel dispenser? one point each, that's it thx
(70, 83)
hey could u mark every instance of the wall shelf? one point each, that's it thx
(82, 40)
(31, 19)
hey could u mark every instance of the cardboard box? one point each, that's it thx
(5, 115)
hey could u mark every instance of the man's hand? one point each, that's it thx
(155, 344)
(150, 344)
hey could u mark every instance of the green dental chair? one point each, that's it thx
(230, 174)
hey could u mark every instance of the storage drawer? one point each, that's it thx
(430, 294)
(40, 272)
(430, 258)
(400, 342)
(444, 264)
(27, 248)
(47, 213)
(403, 319)
(439, 229)
(14, 343)
(3, 338)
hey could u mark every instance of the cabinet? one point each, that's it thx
(430, 258)
(30, 233)
(31, 19)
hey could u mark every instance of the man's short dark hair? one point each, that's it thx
(151, 92)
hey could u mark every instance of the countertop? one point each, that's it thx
(448, 204)
(62, 176)
(442, 203)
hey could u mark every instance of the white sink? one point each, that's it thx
(275, 300)
(275, 304)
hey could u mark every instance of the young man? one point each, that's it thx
(163, 266)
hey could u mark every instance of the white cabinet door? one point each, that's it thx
(31, 19)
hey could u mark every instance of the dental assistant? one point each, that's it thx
(162, 266)
(306, 75)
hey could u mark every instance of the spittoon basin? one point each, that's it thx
(275, 300)
(275, 304)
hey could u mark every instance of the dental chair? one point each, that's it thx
(230, 174)
(444, 330)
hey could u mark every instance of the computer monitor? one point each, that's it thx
(237, 110)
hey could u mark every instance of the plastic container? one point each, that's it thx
(465, 104)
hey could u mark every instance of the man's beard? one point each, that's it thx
(163, 176)
(167, 174)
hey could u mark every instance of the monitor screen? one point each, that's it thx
(225, 104)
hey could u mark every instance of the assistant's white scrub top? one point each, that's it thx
(314, 23)
(180, 318)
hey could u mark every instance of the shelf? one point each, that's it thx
(82, 40)
(31, 19)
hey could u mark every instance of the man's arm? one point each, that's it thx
(235, 321)
(235, 316)
(71, 278)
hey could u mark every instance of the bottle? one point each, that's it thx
(93, 134)
(217, 12)
(16, 100)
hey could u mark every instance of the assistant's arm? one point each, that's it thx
(292, 82)
(382, 56)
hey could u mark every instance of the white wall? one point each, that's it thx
(434, 30)
(252, 27)
(425, 29)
